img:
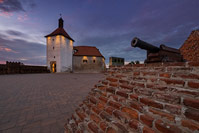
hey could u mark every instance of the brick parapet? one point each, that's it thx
(161, 97)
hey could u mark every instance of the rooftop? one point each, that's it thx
(87, 51)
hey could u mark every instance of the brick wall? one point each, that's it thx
(18, 68)
(142, 98)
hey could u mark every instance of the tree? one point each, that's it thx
(137, 62)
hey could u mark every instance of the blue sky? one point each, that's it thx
(110, 25)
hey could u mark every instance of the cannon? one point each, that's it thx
(155, 54)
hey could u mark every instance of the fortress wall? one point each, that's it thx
(145, 98)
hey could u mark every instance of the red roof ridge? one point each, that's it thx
(87, 51)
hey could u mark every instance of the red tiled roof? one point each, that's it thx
(60, 31)
(87, 51)
(190, 48)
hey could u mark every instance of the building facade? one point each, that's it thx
(116, 61)
(63, 57)
(59, 50)
(88, 59)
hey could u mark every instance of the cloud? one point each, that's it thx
(21, 50)
(11, 6)
(15, 33)
(8, 6)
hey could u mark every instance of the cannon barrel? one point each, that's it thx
(136, 42)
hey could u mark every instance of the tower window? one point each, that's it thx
(53, 47)
(53, 39)
(85, 61)
(54, 56)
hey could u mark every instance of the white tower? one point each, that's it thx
(59, 50)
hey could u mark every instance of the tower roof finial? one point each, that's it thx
(60, 15)
(61, 22)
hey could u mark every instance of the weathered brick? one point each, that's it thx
(136, 84)
(105, 82)
(111, 90)
(113, 84)
(191, 102)
(120, 116)
(101, 105)
(136, 73)
(132, 113)
(174, 109)
(191, 125)
(192, 114)
(165, 75)
(115, 104)
(148, 130)
(147, 120)
(93, 127)
(186, 76)
(103, 99)
(141, 91)
(112, 79)
(163, 114)
(81, 115)
(134, 124)
(93, 100)
(126, 86)
(124, 81)
(105, 116)
(109, 110)
(134, 97)
(111, 130)
(120, 128)
(96, 110)
(95, 118)
(136, 106)
(103, 126)
(122, 94)
(173, 81)
(152, 103)
(187, 92)
(169, 98)
(194, 85)
(149, 73)
(102, 87)
(166, 128)
(193, 63)
(157, 87)
(115, 97)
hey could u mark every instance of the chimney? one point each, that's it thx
(61, 23)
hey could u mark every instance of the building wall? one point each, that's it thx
(62, 52)
(143, 98)
(115, 61)
(89, 66)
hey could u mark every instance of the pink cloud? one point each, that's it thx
(22, 18)
(1, 1)
(2, 62)
(6, 14)
(2, 48)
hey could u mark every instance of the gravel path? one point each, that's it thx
(41, 102)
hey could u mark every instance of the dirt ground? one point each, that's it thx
(41, 102)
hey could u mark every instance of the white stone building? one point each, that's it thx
(62, 58)
(59, 50)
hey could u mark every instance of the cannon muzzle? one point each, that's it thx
(136, 42)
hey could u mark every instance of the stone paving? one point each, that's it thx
(41, 102)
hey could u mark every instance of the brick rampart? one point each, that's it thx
(150, 98)
(18, 68)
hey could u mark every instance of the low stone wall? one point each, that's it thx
(142, 98)
(18, 68)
